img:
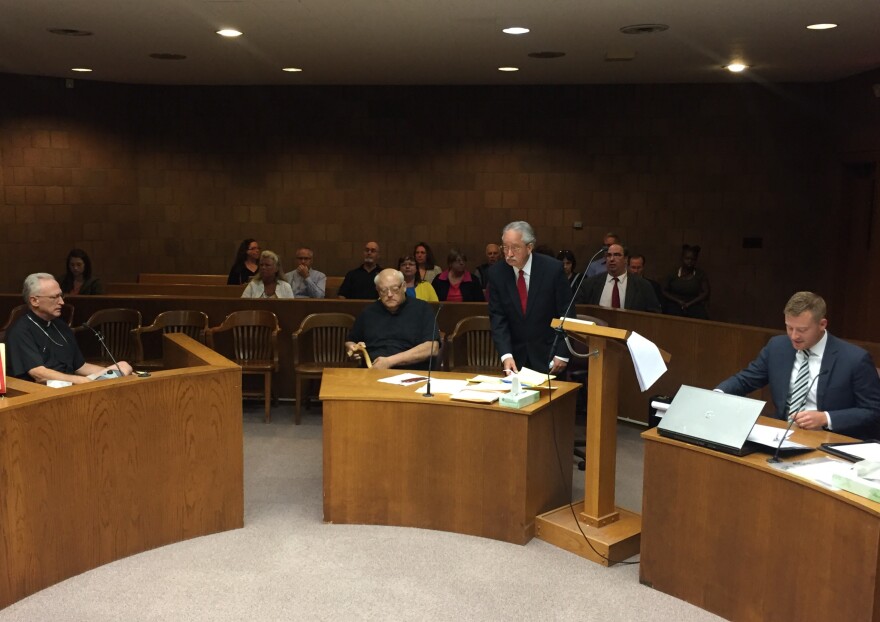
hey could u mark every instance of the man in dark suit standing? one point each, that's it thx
(617, 289)
(527, 292)
(817, 380)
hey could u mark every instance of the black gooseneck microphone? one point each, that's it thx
(431, 359)
(106, 349)
(560, 330)
(775, 457)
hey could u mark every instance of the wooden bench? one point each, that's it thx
(182, 279)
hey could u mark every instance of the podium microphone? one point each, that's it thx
(775, 457)
(106, 349)
(431, 358)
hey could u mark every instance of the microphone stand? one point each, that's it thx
(106, 349)
(775, 457)
(431, 358)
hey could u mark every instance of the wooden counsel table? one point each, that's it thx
(93, 473)
(745, 541)
(395, 457)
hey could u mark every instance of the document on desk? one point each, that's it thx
(818, 470)
(404, 379)
(769, 437)
(646, 359)
(480, 397)
(443, 386)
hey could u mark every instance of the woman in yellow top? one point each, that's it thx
(415, 286)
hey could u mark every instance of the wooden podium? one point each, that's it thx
(597, 529)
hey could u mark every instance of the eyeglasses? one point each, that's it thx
(56, 297)
(385, 291)
(371, 250)
(253, 248)
(304, 258)
(515, 248)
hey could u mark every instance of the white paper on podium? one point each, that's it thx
(646, 359)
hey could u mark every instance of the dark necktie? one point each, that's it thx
(615, 296)
(801, 384)
(523, 292)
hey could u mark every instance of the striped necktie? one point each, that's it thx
(801, 385)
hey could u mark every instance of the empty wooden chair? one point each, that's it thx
(319, 343)
(115, 325)
(250, 338)
(148, 339)
(471, 349)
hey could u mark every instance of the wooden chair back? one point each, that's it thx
(148, 339)
(254, 337)
(115, 325)
(321, 338)
(471, 348)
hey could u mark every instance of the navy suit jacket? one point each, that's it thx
(640, 294)
(528, 337)
(848, 387)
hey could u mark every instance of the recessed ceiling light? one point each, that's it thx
(643, 29)
(70, 32)
(546, 54)
(508, 69)
(515, 30)
(229, 32)
(736, 67)
(821, 26)
(291, 69)
(81, 69)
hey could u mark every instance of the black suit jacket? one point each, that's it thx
(640, 295)
(529, 337)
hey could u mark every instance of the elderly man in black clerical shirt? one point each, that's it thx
(40, 346)
(395, 330)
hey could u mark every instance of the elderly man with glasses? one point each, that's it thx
(396, 331)
(41, 346)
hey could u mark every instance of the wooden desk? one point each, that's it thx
(93, 473)
(745, 541)
(395, 457)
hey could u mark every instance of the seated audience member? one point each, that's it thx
(395, 330)
(269, 281)
(455, 284)
(569, 263)
(425, 260)
(78, 279)
(816, 379)
(40, 346)
(360, 282)
(246, 263)
(305, 281)
(617, 290)
(637, 266)
(415, 286)
(687, 289)
(493, 254)
(597, 266)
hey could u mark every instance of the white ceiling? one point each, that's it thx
(438, 41)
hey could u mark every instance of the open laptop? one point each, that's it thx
(711, 419)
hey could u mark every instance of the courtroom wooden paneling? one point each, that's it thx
(93, 473)
(394, 457)
(748, 542)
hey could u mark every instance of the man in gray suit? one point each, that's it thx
(617, 289)
(838, 389)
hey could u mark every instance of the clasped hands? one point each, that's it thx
(810, 419)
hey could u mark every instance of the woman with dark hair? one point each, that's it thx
(425, 262)
(415, 286)
(246, 264)
(269, 282)
(78, 279)
(687, 289)
(569, 263)
(456, 284)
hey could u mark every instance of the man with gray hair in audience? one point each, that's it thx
(305, 280)
(395, 330)
(40, 345)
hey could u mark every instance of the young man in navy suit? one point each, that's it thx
(842, 386)
(527, 291)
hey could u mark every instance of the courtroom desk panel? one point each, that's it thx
(395, 457)
(746, 541)
(178, 290)
(93, 473)
(182, 279)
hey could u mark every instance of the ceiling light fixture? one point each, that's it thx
(70, 32)
(81, 69)
(167, 56)
(546, 54)
(229, 32)
(291, 69)
(643, 29)
(508, 69)
(821, 26)
(515, 30)
(736, 67)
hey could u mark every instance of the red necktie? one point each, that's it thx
(615, 296)
(523, 292)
